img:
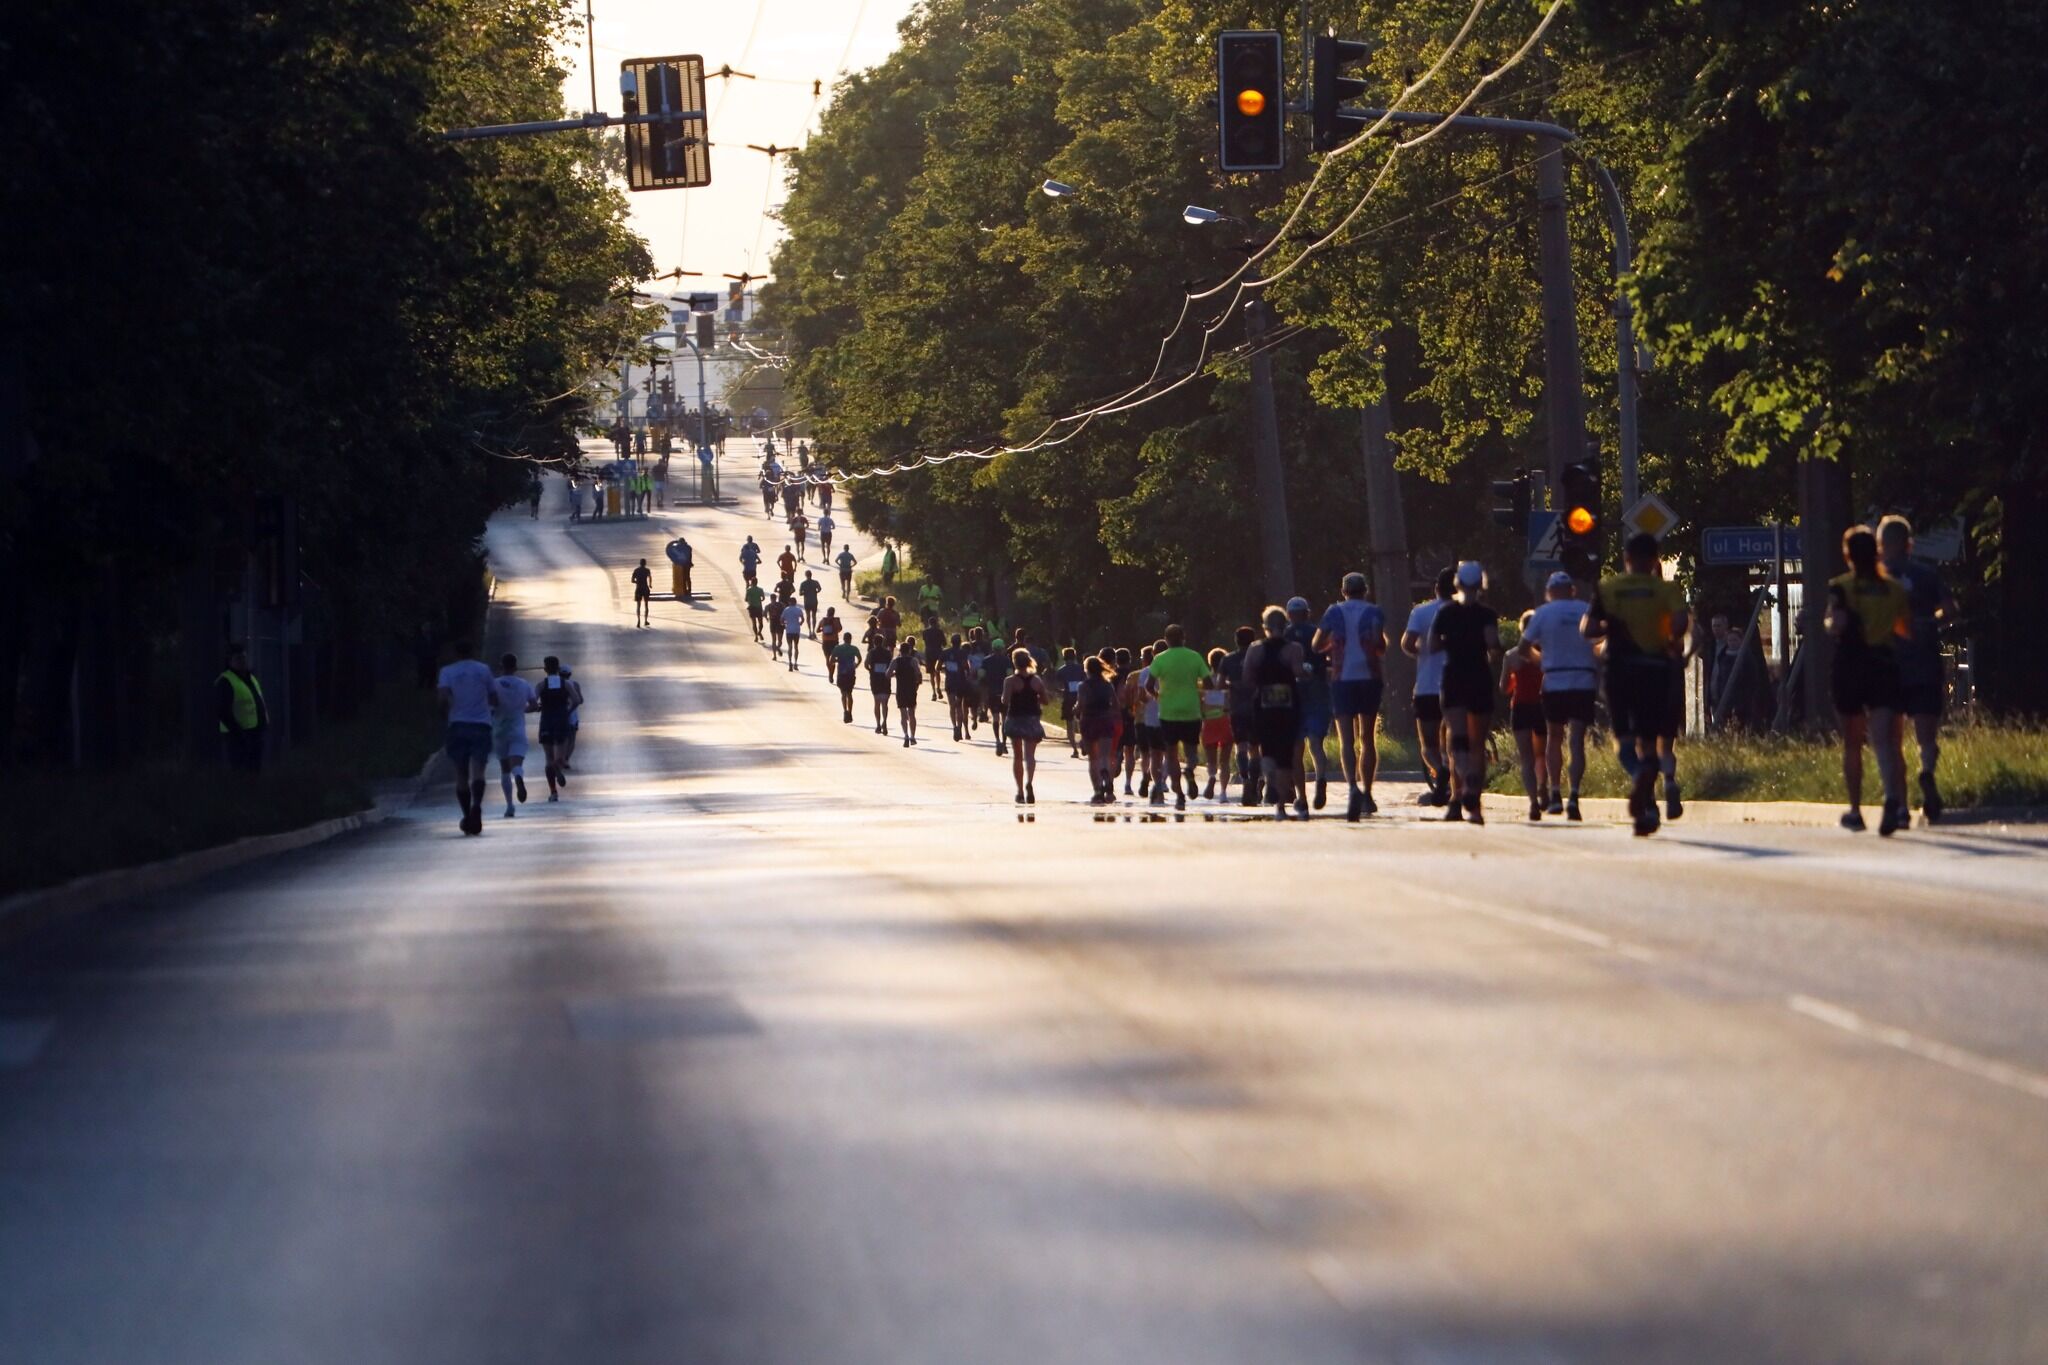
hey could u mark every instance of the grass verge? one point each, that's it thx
(63, 825)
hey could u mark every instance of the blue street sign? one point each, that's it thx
(1745, 544)
(704, 454)
(1545, 547)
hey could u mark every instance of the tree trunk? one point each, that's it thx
(1823, 516)
(1387, 523)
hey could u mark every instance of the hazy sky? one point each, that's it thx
(786, 44)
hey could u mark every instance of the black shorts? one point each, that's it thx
(1525, 715)
(1429, 708)
(1923, 698)
(554, 731)
(1640, 701)
(642, 594)
(1866, 679)
(1180, 732)
(759, 614)
(1468, 691)
(1568, 704)
(1127, 733)
(906, 701)
(1151, 738)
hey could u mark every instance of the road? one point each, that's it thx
(777, 1042)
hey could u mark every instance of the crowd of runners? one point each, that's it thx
(487, 714)
(1249, 720)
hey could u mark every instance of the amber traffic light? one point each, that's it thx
(1251, 103)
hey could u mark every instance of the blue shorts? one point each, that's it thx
(1315, 713)
(1356, 697)
(468, 741)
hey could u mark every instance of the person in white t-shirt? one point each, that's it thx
(1418, 642)
(793, 628)
(1571, 679)
(516, 697)
(470, 700)
(1354, 633)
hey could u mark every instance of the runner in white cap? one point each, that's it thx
(1570, 680)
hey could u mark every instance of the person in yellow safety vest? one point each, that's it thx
(244, 721)
(646, 492)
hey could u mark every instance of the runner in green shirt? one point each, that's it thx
(1177, 677)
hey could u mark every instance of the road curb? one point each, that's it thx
(27, 911)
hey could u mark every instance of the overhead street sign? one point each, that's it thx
(1745, 544)
(1650, 516)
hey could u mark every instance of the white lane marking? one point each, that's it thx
(1549, 924)
(1927, 1049)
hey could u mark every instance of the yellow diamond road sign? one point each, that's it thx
(1652, 515)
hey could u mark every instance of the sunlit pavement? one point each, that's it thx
(778, 1042)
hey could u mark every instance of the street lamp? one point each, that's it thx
(1194, 215)
(1056, 189)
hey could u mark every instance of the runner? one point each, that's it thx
(1023, 701)
(1868, 613)
(557, 695)
(826, 526)
(1521, 677)
(825, 497)
(786, 562)
(1645, 623)
(1066, 681)
(953, 663)
(970, 679)
(1216, 736)
(1128, 749)
(1467, 634)
(1145, 704)
(575, 720)
(643, 596)
(800, 530)
(810, 590)
(1096, 705)
(1243, 716)
(750, 561)
(889, 621)
(1274, 666)
(470, 701)
(995, 672)
(1315, 700)
(1418, 642)
(846, 561)
(908, 674)
(768, 489)
(792, 628)
(575, 499)
(1922, 688)
(880, 666)
(844, 666)
(830, 628)
(515, 698)
(777, 622)
(757, 603)
(1354, 633)
(934, 651)
(1570, 675)
(1177, 677)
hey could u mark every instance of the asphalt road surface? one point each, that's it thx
(777, 1042)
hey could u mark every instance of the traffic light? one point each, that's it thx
(707, 333)
(1251, 100)
(1331, 88)
(1511, 502)
(667, 153)
(1578, 511)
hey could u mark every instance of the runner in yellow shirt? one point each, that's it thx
(1644, 620)
(1867, 613)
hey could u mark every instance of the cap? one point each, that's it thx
(1295, 604)
(1472, 574)
(1560, 579)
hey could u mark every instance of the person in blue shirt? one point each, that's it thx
(1353, 634)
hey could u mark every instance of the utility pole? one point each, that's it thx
(1564, 396)
(1269, 479)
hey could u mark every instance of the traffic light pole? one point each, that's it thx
(1563, 383)
(1269, 479)
(567, 125)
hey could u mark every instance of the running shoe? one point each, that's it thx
(1894, 818)
(1852, 820)
(1356, 810)
(1020, 798)
(1556, 805)
(1322, 791)
(1474, 811)
(1210, 795)
(1301, 806)
(1454, 812)
(1180, 800)
(1571, 811)
(1673, 807)
(1145, 785)
(1646, 820)
(1930, 798)
(554, 796)
(519, 785)
(1030, 794)
(1159, 797)
(511, 811)
(1372, 807)
(1535, 810)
